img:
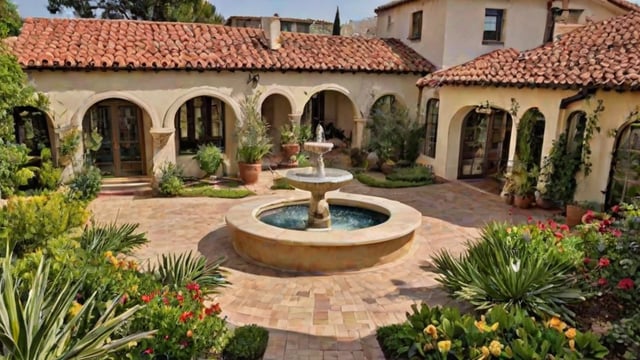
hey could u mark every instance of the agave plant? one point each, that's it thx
(177, 271)
(502, 270)
(49, 325)
(112, 237)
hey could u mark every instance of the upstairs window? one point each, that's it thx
(389, 23)
(493, 19)
(416, 25)
(432, 127)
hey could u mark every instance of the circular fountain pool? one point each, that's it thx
(294, 217)
(322, 251)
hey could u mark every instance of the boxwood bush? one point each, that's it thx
(249, 342)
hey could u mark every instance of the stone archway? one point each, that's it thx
(275, 111)
(335, 111)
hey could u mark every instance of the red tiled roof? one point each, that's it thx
(142, 45)
(604, 54)
(624, 4)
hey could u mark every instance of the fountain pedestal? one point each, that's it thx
(319, 216)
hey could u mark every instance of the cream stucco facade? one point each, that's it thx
(457, 102)
(452, 30)
(159, 95)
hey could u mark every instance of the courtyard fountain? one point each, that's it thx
(339, 232)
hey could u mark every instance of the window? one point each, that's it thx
(200, 121)
(31, 129)
(416, 25)
(285, 26)
(575, 131)
(493, 19)
(432, 127)
(389, 22)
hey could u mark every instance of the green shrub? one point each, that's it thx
(49, 176)
(170, 179)
(31, 221)
(209, 158)
(176, 271)
(248, 342)
(86, 185)
(419, 174)
(112, 237)
(281, 184)
(443, 333)
(13, 158)
(389, 184)
(394, 135)
(625, 335)
(515, 267)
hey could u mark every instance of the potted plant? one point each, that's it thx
(290, 143)
(253, 141)
(209, 158)
(522, 189)
(69, 144)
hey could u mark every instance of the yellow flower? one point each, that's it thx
(485, 352)
(189, 333)
(572, 345)
(133, 265)
(570, 334)
(108, 254)
(444, 346)
(113, 261)
(75, 308)
(431, 331)
(495, 348)
(556, 323)
(495, 326)
(482, 325)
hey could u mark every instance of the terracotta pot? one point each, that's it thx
(574, 215)
(387, 168)
(522, 202)
(544, 203)
(249, 173)
(289, 151)
(507, 197)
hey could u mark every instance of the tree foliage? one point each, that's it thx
(201, 11)
(10, 21)
(336, 23)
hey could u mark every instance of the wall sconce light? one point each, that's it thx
(254, 79)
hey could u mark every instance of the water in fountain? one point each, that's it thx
(295, 217)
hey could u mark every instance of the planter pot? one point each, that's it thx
(574, 215)
(507, 198)
(544, 203)
(249, 173)
(522, 202)
(387, 168)
(289, 152)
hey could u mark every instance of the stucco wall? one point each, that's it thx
(160, 94)
(456, 102)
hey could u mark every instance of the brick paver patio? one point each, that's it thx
(317, 316)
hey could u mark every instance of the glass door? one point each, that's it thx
(98, 120)
(474, 145)
(128, 154)
(624, 181)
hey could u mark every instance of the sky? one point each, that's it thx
(314, 9)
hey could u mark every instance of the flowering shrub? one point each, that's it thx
(530, 267)
(612, 253)
(187, 327)
(442, 333)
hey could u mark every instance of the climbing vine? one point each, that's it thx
(592, 126)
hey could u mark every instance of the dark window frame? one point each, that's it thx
(188, 145)
(416, 26)
(493, 37)
(576, 125)
(431, 123)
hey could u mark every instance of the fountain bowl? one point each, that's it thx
(317, 147)
(327, 251)
(307, 179)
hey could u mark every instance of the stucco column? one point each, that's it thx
(358, 132)
(295, 118)
(512, 146)
(164, 148)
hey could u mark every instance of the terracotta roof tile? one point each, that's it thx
(604, 54)
(118, 44)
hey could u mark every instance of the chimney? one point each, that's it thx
(271, 28)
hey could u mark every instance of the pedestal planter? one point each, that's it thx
(249, 173)
(522, 202)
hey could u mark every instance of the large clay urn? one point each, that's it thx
(249, 173)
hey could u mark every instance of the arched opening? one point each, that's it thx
(275, 112)
(32, 128)
(530, 138)
(334, 111)
(113, 134)
(200, 120)
(624, 178)
(484, 145)
(385, 103)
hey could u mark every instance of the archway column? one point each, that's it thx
(512, 145)
(295, 118)
(164, 149)
(358, 132)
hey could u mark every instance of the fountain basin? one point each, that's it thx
(317, 147)
(307, 179)
(327, 251)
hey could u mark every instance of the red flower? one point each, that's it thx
(615, 208)
(193, 287)
(602, 282)
(558, 235)
(213, 309)
(124, 298)
(586, 261)
(147, 298)
(529, 219)
(180, 298)
(604, 262)
(564, 227)
(149, 351)
(588, 217)
(616, 232)
(165, 300)
(625, 284)
(186, 316)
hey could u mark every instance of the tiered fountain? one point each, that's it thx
(298, 233)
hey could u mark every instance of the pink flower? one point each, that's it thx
(149, 351)
(558, 235)
(604, 262)
(564, 227)
(586, 261)
(602, 282)
(615, 208)
(616, 232)
(529, 219)
(625, 284)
